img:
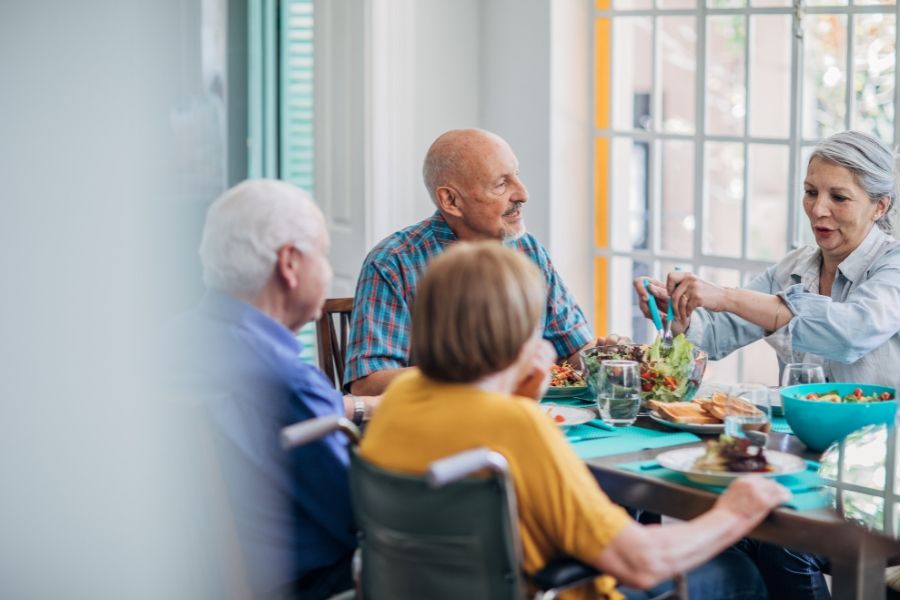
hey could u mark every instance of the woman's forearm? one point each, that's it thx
(765, 310)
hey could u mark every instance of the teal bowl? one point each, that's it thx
(820, 424)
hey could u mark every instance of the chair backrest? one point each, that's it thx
(419, 541)
(331, 338)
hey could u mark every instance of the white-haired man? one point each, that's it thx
(472, 177)
(264, 261)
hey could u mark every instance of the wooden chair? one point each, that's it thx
(331, 338)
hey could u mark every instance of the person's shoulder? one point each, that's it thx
(400, 243)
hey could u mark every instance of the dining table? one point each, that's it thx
(858, 555)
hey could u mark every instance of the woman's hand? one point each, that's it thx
(661, 296)
(536, 380)
(689, 292)
(657, 290)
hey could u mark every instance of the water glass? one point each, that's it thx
(619, 391)
(749, 412)
(797, 373)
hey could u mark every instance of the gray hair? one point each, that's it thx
(872, 163)
(247, 225)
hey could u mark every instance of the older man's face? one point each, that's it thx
(315, 273)
(491, 193)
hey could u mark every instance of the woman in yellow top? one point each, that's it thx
(476, 336)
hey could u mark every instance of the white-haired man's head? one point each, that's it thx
(248, 227)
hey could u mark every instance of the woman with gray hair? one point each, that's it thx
(834, 303)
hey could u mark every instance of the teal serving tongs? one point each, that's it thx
(664, 333)
(654, 312)
(670, 316)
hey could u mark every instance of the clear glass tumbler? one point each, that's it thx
(748, 413)
(619, 393)
(797, 373)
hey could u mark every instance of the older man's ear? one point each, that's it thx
(287, 258)
(448, 201)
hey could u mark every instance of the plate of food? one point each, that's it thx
(722, 460)
(565, 416)
(704, 415)
(566, 382)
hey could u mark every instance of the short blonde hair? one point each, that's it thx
(475, 309)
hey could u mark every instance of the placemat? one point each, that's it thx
(806, 487)
(779, 424)
(623, 440)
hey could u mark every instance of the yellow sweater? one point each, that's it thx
(561, 508)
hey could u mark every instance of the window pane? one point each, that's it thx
(678, 58)
(725, 93)
(766, 3)
(631, 177)
(627, 317)
(725, 3)
(770, 75)
(759, 363)
(866, 509)
(826, 3)
(873, 74)
(767, 178)
(862, 2)
(632, 4)
(677, 198)
(824, 75)
(724, 193)
(676, 3)
(632, 78)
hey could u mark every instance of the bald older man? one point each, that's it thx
(472, 176)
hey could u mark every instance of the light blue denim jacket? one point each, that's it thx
(854, 334)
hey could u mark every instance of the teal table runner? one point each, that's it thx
(592, 442)
(779, 425)
(806, 487)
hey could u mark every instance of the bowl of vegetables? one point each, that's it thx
(667, 374)
(823, 413)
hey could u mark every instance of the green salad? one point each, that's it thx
(665, 372)
(855, 397)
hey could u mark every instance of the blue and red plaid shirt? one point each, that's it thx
(382, 308)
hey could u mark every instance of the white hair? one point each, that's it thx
(247, 225)
(871, 162)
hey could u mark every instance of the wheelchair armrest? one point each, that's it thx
(563, 572)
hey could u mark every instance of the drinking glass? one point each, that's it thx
(619, 393)
(748, 413)
(797, 373)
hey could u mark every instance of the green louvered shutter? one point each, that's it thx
(282, 138)
(296, 140)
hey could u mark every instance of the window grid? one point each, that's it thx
(606, 19)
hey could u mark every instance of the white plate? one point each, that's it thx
(570, 414)
(712, 428)
(683, 459)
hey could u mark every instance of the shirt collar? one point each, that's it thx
(854, 266)
(442, 231)
(228, 308)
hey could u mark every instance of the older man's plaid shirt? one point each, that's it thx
(379, 332)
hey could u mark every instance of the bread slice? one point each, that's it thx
(715, 406)
(684, 412)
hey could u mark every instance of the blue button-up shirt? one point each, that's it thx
(292, 509)
(854, 333)
(382, 309)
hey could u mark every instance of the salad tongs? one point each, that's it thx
(654, 312)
